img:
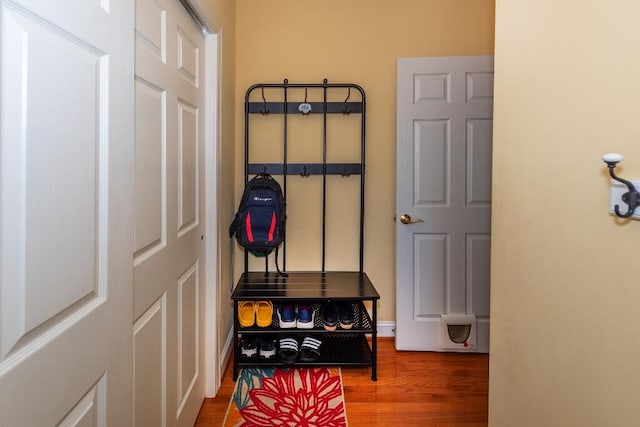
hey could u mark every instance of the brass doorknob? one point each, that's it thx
(406, 219)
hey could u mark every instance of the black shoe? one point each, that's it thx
(330, 316)
(345, 315)
(249, 347)
(267, 348)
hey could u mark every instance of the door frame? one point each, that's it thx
(203, 15)
(212, 364)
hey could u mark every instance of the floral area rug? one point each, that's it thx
(287, 397)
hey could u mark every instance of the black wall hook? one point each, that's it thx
(345, 109)
(632, 197)
(305, 107)
(265, 108)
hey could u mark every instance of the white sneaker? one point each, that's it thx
(306, 316)
(287, 316)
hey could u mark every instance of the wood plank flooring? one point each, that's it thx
(413, 388)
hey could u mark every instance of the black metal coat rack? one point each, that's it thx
(288, 107)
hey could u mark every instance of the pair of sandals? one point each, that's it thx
(255, 312)
(253, 347)
(291, 351)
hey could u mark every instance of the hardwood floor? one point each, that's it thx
(413, 388)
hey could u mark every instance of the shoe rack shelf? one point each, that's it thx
(356, 346)
(342, 347)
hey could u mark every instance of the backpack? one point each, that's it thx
(259, 223)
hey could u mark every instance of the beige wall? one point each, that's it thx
(565, 284)
(355, 41)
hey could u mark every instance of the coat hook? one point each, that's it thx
(305, 172)
(305, 107)
(632, 197)
(345, 108)
(345, 173)
(265, 109)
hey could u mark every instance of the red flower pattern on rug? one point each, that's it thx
(297, 398)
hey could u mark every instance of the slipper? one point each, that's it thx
(246, 313)
(267, 348)
(310, 349)
(249, 347)
(264, 313)
(288, 351)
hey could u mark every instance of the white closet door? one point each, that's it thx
(167, 259)
(66, 212)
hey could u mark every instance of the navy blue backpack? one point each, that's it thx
(260, 220)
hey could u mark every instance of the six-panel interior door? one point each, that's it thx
(168, 267)
(444, 146)
(66, 212)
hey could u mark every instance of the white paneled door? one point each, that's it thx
(443, 206)
(168, 303)
(66, 212)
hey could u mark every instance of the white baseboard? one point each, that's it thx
(227, 350)
(225, 356)
(386, 328)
